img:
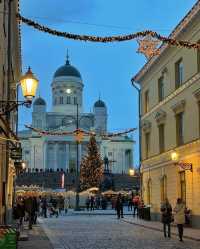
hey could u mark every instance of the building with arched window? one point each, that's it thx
(170, 121)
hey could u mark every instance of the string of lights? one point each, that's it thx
(77, 131)
(106, 39)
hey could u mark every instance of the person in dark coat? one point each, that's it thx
(166, 211)
(29, 208)
(44, 207)
(92, 203)
(119, 206)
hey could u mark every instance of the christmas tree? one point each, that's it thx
(91, 168)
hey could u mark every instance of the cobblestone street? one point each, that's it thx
(106, 232)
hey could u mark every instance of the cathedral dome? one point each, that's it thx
(99, 103)
(67, 70)
(39, 101)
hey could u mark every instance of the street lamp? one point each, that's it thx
(78, 138)
(131, 172)
(174, 156)
(28, 83)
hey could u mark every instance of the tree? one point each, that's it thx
(91, 168)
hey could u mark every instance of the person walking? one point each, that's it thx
(130, 204)
(166, 212)
(92, 203)
(66, 205)
(119, 206)
(179, 217)
(87, 202)
(136, 202)
(44, 207)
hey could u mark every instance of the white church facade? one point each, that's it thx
(59, 152)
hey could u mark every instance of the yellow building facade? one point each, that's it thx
(8, 91)
(170, 122)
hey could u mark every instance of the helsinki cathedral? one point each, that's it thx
(60, 152)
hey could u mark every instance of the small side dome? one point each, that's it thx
(99, 103)
(39, 101)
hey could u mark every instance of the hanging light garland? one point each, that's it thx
(145, 34)
(78, 133)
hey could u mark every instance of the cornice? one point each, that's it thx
(177, 30)
(172, 95)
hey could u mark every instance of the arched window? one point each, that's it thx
(163, 188)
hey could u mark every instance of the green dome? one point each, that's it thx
(99, 103)
(67, 70)
(39, 101)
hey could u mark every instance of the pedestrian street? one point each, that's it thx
(106, 232)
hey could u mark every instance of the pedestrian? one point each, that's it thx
(136, 202)
(130, 204)
(87, 202)
(92, 203)
(29, 208)
(66, 205)
(179, 217)
(119, 206)
(166, 211)
(44, 207)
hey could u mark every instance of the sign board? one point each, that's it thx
(16, 153)
(185, 166)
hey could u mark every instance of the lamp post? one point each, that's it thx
(138, 89)
(78, 138)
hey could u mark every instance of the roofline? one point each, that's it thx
(176, 31)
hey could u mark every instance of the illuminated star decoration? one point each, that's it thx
(148, 47)
(79, 135)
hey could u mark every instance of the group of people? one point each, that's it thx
(170, 215)
(97, 202)
(28, 208)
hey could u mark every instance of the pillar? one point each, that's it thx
(67, 156)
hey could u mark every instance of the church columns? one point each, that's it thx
(44, 155)
(67, 157)
(56, 156)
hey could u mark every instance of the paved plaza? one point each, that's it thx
(106, 232)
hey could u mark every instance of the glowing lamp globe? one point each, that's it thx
(29, 84)
(174, 156)
(131, 172)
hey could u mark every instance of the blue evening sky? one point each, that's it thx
(105, 68)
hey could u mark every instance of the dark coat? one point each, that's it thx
(166, 210)
(119, 203)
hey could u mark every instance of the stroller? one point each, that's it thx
(53, 211)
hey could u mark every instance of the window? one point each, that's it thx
(161, 131)
(147, 144)
(109, 154)
(163, 188)
(68, 100)
(161, 88)
(75, 100)
(179, 128)
(182, 186)
(61, 100)
(179, 73)
(146, 101)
